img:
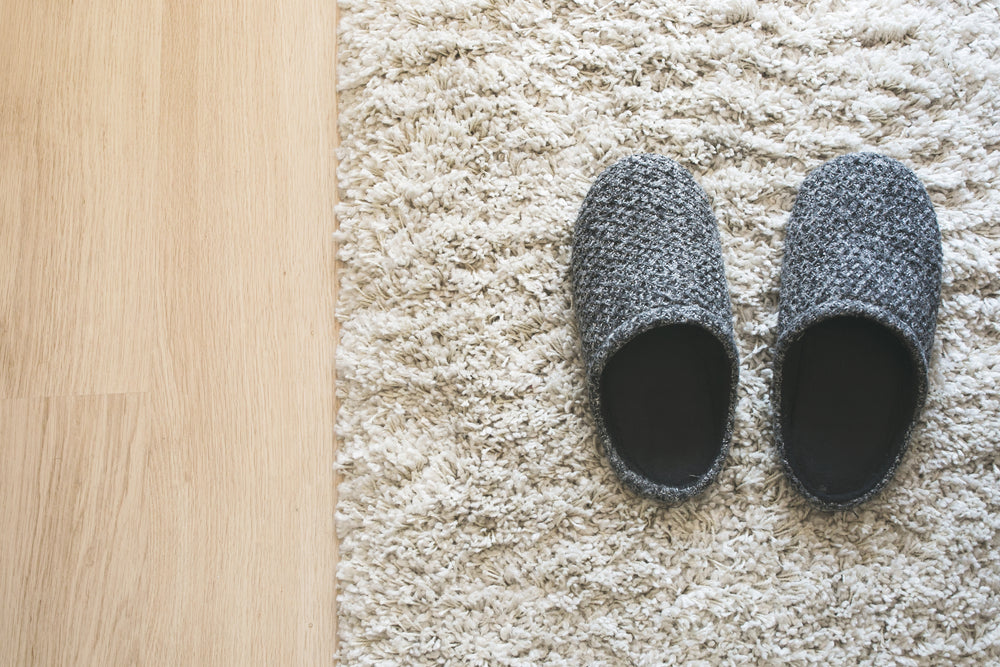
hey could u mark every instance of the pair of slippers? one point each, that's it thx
(860, 288)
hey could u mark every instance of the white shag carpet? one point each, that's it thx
(478, 523)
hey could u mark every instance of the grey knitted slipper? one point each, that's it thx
(860, 286)
(654, 317)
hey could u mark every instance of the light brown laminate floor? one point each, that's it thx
(167, 332)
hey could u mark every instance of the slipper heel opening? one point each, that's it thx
(849, 395)
(665, 402)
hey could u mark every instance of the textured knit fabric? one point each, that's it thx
(862, 241)
(646, 253)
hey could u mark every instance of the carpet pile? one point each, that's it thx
(478, 523)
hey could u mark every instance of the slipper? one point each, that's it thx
(655, 322)
(860, 288)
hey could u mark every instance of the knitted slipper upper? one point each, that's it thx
(862, 241)
(646, 253)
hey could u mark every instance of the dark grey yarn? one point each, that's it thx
(862, 240)
(646, 252)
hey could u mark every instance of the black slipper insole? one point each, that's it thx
(850, 392)
(665, 398)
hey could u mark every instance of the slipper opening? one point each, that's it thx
(848, 395)
(665, 402)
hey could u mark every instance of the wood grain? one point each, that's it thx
(167, 332)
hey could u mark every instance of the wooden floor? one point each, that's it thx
(166, 332)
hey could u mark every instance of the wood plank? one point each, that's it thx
(78, 104)
(167, 332)
(75, 579)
